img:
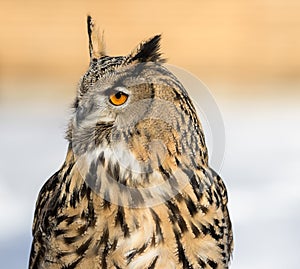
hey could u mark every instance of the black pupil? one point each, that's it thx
(118, 95)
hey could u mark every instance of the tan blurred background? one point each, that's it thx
(246, 51)
(217, 40)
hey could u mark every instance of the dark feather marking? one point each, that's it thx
(174, 186)
(209, 196)
(72, 239)
(83, 190)
(74, 198)
(104, 241)
(213, 233)
(91, 214)
(157, 222)
(217, 199)
(93, 168)
(204, 209)
(221, 228)
(191, 206)
(134, 252)
(162, 170)
(175, 216)
(179, 198)
(101, 158)
(68, 186)
(76, 102)
(221, 246)
(63, 199)
(153, 240)
(58, 232)
(182, 224)
(81, 230)
(194, 164)
(66, 174)
(117, 266)
(152, 87)
(71, 219)
(110, 173)
(177, 161)
(116, 172)
(152, 265)
(169, 178)
(61, 218)
(136, 197)
(120, 220)
(114, 244)
(83, 248)
(201, 263)
(204, 229)
(212, 264)
(224, 256)
(89, 193)
(73, 264)
(61, 254)
(181, 254)
(195, 229)
(91, 177)
(106, 203)
(195, 184)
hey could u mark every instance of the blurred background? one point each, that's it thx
(246, 52)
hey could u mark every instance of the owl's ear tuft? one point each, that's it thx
(96, 41)
(147, 51)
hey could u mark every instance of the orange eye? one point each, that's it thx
(118, 98)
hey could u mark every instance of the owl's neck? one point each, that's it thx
(120, 176)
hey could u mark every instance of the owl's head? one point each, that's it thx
(132, 111)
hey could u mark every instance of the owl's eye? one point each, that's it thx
(118, 98)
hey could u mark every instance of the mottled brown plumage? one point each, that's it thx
(135, 190)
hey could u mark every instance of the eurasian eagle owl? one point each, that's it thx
(135, 190)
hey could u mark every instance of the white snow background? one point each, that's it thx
(261, 170)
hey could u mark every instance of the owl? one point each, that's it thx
(135, 190)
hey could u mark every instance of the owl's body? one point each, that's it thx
(135, 190)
